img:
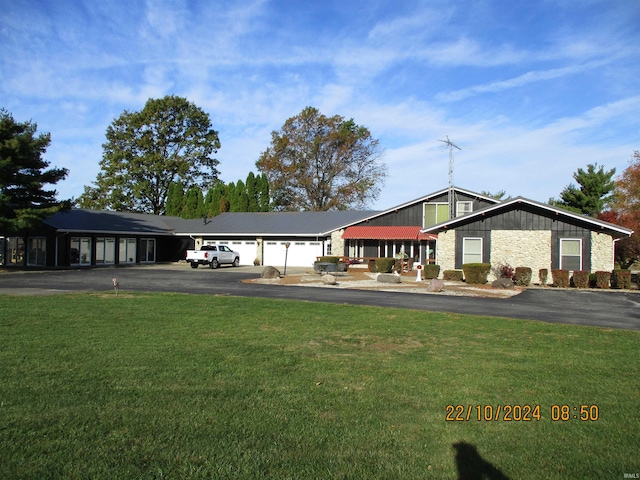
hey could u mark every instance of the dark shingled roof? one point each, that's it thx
(102, 221)
(252, 224)
(271, 223)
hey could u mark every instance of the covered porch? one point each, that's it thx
(364, 242)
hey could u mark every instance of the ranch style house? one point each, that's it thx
(449, 227)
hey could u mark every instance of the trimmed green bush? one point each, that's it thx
(622, 278)
(543, 274)
(560, 278)
(603, 279)
(329, 259)
(431, 271)
(580, 278)
(476, 273)
(452, 275)
(384, 265)
(523, 276)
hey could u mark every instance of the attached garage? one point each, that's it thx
(300, 254)
(248, 249)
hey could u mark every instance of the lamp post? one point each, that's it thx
(286, 254)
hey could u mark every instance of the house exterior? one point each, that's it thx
(263, 237)
(524, 233)
(400, 229)
(85, 238)
(448, 227)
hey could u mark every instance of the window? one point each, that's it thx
(328, 246)
(127, 250)
(147, 250)
(37, 249)
(80, 253)
(15, 251)
(462, 208)
(3, 243)
(435, 213)
(471, 250)
(105, 251)
(571, 254)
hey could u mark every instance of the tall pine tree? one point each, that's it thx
(23, 175)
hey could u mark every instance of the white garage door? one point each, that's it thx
(301, 254)
(247, 249)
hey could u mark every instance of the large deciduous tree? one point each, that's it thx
(626, 212)
(593, 194)
(24, 201)
(169, 140)
(320, 163)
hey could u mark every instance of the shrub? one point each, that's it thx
(384, 265)
(504, 270)
(622, 278)
(543, 274)
(603, 279)
(560, 278)
(476, 273)
(522, 276)
(329, 259)
(431, 271)
(371, 264)
(452, 275)
(580, 279)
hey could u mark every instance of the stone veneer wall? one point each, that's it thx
(337, 243)
(528, 248)
(446, 250)
(601, 252)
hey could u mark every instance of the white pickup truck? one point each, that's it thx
(214, 256)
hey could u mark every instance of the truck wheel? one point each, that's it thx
(236, 262)
(214, 263)
(193, 265)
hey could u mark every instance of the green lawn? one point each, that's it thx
(175, 386)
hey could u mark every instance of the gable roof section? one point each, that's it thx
(542, 208)
(367, 232)
(310, 224)
(422, 200)
(103, 221)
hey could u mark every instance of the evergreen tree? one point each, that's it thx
(193, 203)
(23, 175)
(263, 194)
(241, 198)
(175, 199)
(594, 193)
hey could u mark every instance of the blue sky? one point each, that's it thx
(529, 90)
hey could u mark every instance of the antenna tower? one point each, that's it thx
(452, 203)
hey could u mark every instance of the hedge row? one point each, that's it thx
(477, 273)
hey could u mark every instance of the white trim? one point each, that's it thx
(464, 241)
(560, 255)
(600, 224)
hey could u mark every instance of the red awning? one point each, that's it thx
(366, 232)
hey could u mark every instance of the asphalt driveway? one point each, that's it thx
(611, 309)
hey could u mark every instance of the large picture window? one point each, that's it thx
(80, 252)
(471, 250)
(127, 250)
(147, 250)
(571, 254)
(37, 251)
(105, 250)
(435, 213)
